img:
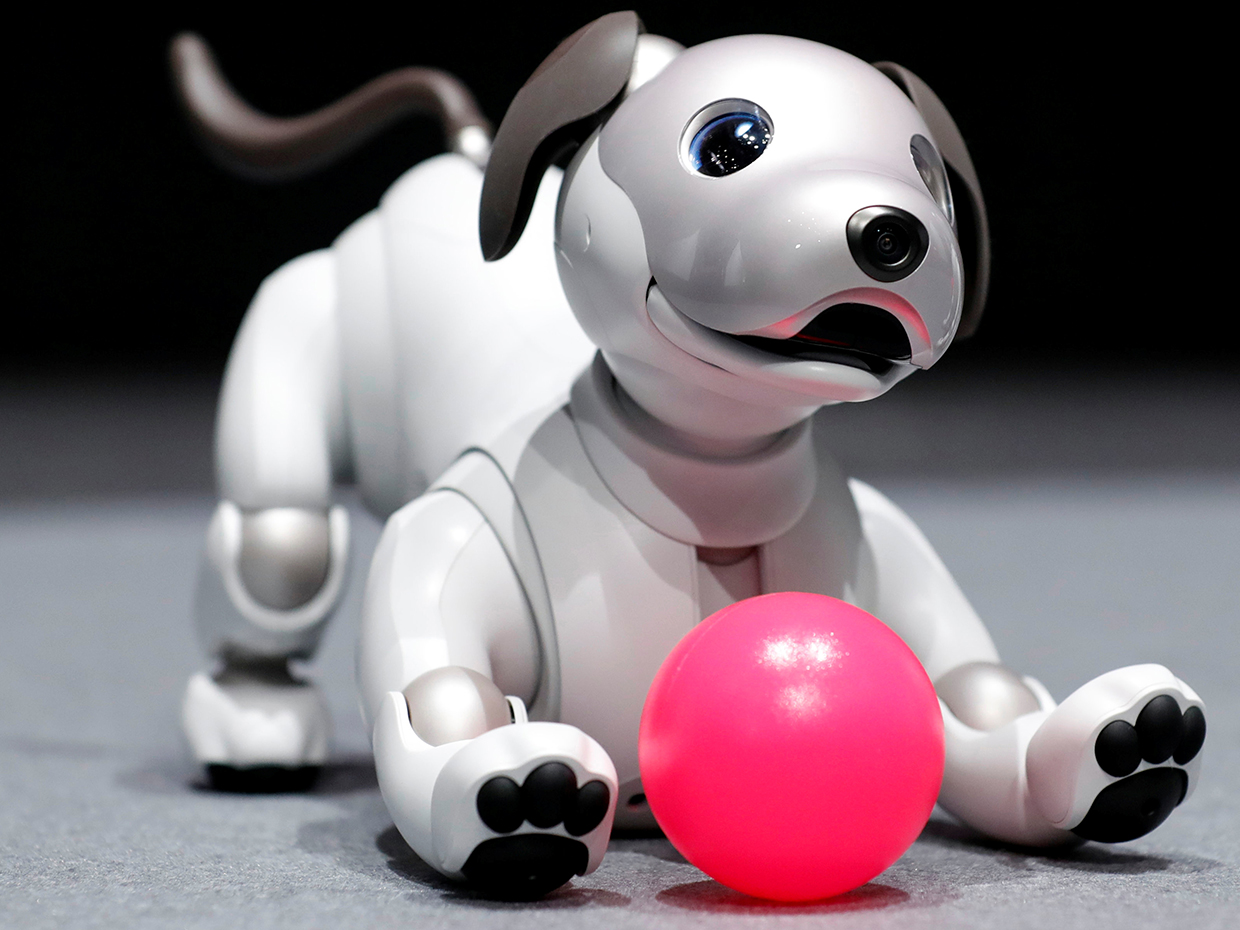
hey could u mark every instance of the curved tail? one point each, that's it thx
(258, 145)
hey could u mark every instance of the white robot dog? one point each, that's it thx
(586, 449)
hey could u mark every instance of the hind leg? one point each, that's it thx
(252, 722)
(276, 551)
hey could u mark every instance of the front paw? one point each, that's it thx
(549, 802)
(516, 812)
(1119, 755)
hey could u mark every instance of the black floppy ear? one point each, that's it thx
(973, 228)
(570, 94)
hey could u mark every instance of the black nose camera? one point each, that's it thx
(886, 242)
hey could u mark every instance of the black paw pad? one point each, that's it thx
(1160, 725)
(1118, 748)
(589, 810)
(1194, 736)
(1133, 807)
(525, 867)
(499, 804)
(1161, 733)
(549, 796)
(263, 779)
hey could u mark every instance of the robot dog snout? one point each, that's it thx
(819, 259)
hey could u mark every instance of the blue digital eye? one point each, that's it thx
(728, 143)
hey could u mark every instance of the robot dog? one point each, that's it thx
(586, 449)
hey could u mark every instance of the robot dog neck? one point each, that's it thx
(692, 419)
(718, 491)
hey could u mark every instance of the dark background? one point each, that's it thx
(1096, 142)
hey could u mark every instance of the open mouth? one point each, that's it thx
(848, 352)
(857, 335)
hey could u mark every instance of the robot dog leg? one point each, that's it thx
(1110, 763)
(479, 791)
(276, 550)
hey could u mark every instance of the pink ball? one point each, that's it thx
(791, 747)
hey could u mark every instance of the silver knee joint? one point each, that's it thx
(270, 580)
(285, 554)
(454, 703)
(985, 695)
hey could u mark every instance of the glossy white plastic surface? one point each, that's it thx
(436, 556)
(280, 426)
(467, 346)
(251, 724)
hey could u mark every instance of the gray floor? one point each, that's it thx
(1093, 518)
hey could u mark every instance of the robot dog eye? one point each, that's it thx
(725, 137)
(930, 166)
(886, 242)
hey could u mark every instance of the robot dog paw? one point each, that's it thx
(529, 865)
(1119, 755)
(516, 812)
(1141, 800)
(256, 733)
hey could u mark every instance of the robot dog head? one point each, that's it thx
(766, 216)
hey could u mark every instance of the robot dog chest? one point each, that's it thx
(621, 594)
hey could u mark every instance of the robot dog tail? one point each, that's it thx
(270, 147)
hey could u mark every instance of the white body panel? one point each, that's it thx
(440, 349)
(453, 349)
